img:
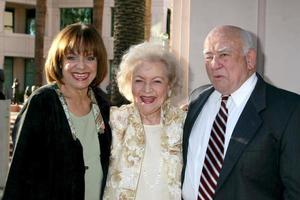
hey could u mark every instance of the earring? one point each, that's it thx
(169, 93)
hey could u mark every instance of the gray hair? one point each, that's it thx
(248, 41)
(153, 52)
(247, 38)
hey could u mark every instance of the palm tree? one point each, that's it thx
(41, 7)
(129, 30)
(98, 14)
(148, 13)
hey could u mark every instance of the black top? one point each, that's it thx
(48, 163)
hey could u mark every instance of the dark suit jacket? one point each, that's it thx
(262, 161)
(47, 162)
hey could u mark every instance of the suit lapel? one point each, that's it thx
(245, 129)
(194, 110)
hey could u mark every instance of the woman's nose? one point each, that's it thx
(81, 62)
(147, 87)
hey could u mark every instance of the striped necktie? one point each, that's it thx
(214, 154)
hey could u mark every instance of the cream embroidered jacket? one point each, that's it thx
(128, 146)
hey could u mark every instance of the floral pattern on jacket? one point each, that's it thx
(128, 147)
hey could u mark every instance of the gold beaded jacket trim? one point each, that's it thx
(128, 148)
(95, 108)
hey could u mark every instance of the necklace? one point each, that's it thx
(147, 174)
(95, 108)
(151, 170)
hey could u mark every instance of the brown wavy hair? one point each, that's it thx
(79, 38)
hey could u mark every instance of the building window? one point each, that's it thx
(30, 21)
(8, 76)
(29, 72)
(9, 20)
(73, 15)
(112, 27)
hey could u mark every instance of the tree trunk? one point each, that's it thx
(41, 7)
(148, 15)
(129, 28)
(98, 14)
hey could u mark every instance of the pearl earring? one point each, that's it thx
(169, 93)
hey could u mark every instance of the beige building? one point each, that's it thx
(187, 21)
(17, 35)
(17, 19)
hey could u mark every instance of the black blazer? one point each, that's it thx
(48, 163)
(262, 160)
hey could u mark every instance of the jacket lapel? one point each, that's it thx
(245, 129)
(194, 110)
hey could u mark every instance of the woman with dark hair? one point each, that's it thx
(62, 133)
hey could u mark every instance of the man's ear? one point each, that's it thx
(251, 59)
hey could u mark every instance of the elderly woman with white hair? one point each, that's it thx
(146, 158)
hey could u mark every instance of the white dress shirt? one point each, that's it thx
(200, 133)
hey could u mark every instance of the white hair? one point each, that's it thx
(153, 52)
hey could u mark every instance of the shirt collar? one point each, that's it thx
(244, 91)
(240, 94)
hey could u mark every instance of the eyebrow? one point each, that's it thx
(142, 77)
(79, 53)
(221, 50)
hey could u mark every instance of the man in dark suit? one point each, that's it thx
(252, 151)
